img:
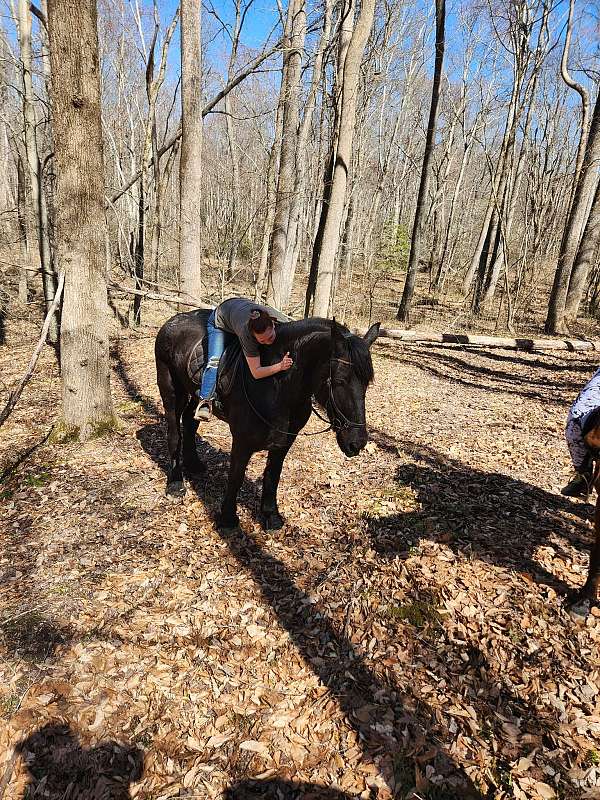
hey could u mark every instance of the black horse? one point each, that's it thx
(330, 364)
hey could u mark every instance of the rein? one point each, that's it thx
(335, 425)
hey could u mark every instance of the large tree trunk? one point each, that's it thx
(343, 159)
(190, 163)
(35, 172)
(271, 190)
(418, 225)
(584, 260)
(298, 202)
(277, 294)
(556, 320)
(80, 218)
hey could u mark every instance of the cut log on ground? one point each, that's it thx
(474, 340)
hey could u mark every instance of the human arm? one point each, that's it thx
(264, 372)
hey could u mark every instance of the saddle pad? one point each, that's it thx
(196, 362)
(228, 367)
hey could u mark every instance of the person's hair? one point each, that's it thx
(260, 321)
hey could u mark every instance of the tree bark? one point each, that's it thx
(343, 159)
(418, 225)
(584, 259)
(190, 159)
(35, 172)
(556, 321)
(81, 223)
(277, 294)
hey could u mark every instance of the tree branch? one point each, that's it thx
(16, 393)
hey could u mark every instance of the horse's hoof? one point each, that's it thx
(228, 524)
(175, 489)
(273, 522)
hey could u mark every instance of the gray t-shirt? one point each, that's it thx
(233, 315)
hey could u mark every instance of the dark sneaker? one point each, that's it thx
(202, 413)
(578, 486)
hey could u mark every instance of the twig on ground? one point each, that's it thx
(25, 454)
(14, 395)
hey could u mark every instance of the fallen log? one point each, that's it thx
(476, 340)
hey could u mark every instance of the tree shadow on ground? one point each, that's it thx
(32, 637)
(59, 767)
(500, 519)
(277, 789)
(546, 361)
(450, 367)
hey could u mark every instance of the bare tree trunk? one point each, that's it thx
(35, 172)
(556, 320)
(343, 159)
(262, 277)
(346, 26)
(585, 102)
(417, 232)
(23, 234)
(584, 260)
(290, 87)
(81, 222)
(190, 160)
(298, 200)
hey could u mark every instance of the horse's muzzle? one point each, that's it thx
(351, 444)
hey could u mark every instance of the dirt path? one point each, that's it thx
(405, 629)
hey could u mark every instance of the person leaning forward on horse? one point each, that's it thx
(254, 325)
(583, 438)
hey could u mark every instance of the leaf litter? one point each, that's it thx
(403, 636)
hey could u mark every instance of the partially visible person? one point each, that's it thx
(254, 325)
(582, 437)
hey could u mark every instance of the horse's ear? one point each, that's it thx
(336, 330)
(372, 333)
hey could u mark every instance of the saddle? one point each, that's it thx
(228, 366)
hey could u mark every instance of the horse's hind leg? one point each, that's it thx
(191, 462)
(174, 398)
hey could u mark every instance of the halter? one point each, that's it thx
(346, 423)
(334, 425)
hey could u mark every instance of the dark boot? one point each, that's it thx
(580, 484)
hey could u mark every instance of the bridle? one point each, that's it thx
(333, 424)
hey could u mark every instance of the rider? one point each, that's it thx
(253, 324)
(583, 418)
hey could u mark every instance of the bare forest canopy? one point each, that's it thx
(305, 173)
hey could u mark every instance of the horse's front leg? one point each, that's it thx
(240, 456)
(270, 517)
(191, 462)
(588, 594)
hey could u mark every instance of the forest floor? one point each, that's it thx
(404, 633)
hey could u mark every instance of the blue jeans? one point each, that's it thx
(217, 342)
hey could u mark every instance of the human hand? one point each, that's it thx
(285, 363)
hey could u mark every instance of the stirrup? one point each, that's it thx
(203, 410)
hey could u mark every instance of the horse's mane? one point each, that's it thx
(303, 331)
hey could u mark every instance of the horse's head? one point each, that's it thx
(342, 394)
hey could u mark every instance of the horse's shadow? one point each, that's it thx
(59, 767)
(500, 519)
